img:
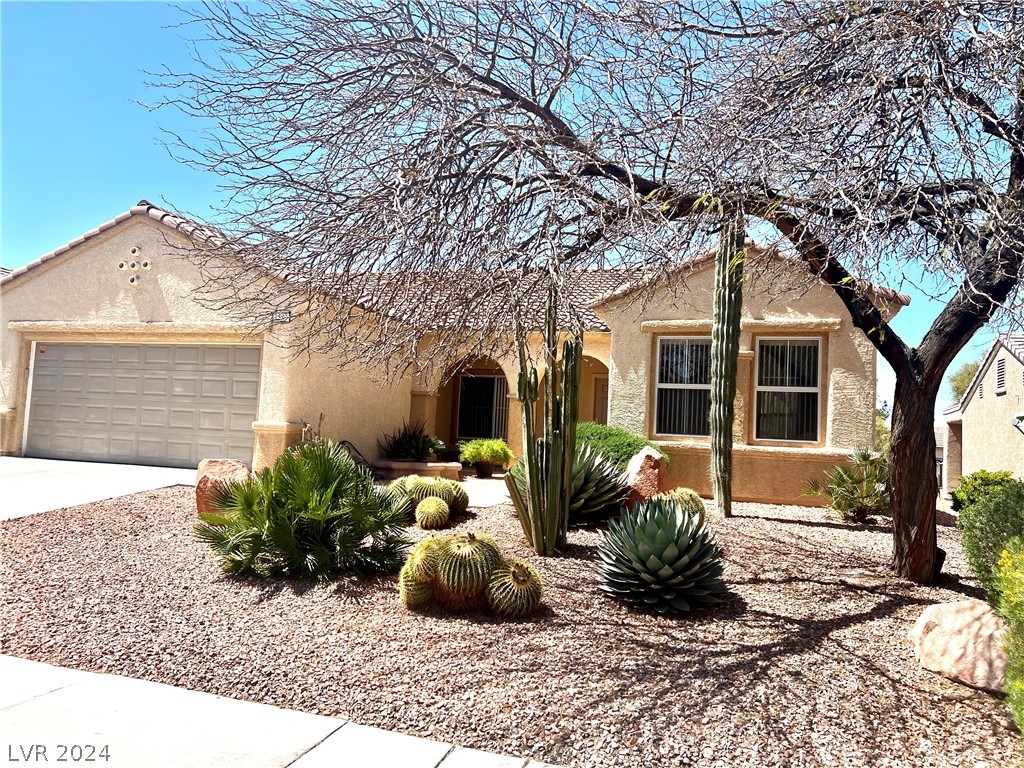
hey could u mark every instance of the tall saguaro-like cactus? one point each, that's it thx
(544, 508)
(730, 260)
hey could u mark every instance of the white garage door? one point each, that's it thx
(167, 404)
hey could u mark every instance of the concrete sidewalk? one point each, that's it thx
(49, 712)
(31, 486)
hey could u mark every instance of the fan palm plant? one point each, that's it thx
(858, 489)
(315, 513)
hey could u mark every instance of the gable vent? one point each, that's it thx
(981, 390)
(1000, 375)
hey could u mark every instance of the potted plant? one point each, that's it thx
(484, 454)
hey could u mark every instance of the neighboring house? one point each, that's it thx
(107, 356)
(984, 430)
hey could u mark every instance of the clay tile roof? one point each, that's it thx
(142, 208)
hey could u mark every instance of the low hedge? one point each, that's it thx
(977, 486)
(614, 443)
(985, 528)
(1009, 578)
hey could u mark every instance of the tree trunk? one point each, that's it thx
(725, 344)
(913, 485)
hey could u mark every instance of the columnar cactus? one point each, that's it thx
(725, 339)
(544, 508)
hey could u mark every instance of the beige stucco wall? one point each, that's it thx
(764, 470)
(83, 296)
(989, 439)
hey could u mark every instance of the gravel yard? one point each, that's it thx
(807, 664)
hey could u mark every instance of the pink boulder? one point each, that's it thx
(213, 474)
(964, 642)
(645, 472)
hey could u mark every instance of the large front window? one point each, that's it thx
(788, 389)
(683, 398)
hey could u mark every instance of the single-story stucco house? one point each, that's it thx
(108, 356)
(983, 430)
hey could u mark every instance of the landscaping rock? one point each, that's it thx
(646, 471)
(964, 642)
(216, 473)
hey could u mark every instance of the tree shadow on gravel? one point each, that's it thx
(869, 527)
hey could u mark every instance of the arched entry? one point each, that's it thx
(593, 390)
(473, 402)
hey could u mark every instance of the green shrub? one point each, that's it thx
(978, 485)
(985, 528)
(858, 489)
(410, 443)
(599, 487)
(1009, 578)
(486, 451)
(315, 513)
(613, 443)
(687, 498)
(658, 557)
(1015, 675)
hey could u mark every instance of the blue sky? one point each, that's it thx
(76, 149)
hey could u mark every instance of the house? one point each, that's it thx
(107, 355)
(983, 431)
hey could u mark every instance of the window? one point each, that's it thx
(683, 399)
(483, 407)
(1001, 376)
(788, 389)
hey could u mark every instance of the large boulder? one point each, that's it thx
(216, 473)
(646, 472)
(964, 642)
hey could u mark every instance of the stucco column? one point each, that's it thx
(272, 439)
(743, 423)
(515, 425)
(952, 458)
(423, 409)
(10, 442)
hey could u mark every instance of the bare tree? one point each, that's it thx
(377, 153)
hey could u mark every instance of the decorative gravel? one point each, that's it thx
(806, 664)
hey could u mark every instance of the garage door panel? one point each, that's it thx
(217, 355)
(158, 356)
(122, 446)
(128, 355)
(189, 356)
(155, 385)
(171, 404)
(181, 418)
(247, 356)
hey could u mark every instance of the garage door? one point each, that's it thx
(168, 405)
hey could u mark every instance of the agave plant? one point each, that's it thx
(313, 514)
(598, 488)
(659, 557)
(858, 489)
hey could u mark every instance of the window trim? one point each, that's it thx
(658, 385)
(758, 388)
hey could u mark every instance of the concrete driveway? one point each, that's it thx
(31, 486)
